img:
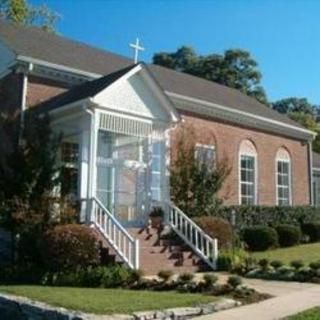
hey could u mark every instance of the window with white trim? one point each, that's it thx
(283, 167)
(205, 154)
(247, 174)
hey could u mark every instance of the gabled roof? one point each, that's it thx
(37, 44)
(84, 90)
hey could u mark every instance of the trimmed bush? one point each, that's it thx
(69, 247)
(165, 275)
(260, 238)
(312, 230)
(297, 264)
(210, 279)
(249, 216)
(186, 277)
(216, 228)
(234, 281)
(288, 235)
(224, 261)
(276, 264)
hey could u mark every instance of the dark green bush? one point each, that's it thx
(234, 281)
(224, 261)
(165, 275)
(69, 247)
(263, 263)
(260, 238)
(312, 230)
(288, 235)
(103, 277)
(249, 216)
(210, 279)
(315, 265)
(276, 264)
(297, 264)
(185, 277)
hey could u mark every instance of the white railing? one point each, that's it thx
(121, 241)
(194, 236)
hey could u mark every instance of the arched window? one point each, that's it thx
(247, 173)
(283, 177)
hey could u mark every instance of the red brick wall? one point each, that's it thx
(10, 93)
(227, 140)
(40, 89)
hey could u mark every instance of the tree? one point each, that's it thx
(28, 174)
(293, 104)
(309, 122)
(235, 68)
(195, 184)
(21, 12)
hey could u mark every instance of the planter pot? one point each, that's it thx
(156, 222)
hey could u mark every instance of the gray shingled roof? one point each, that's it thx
(84, 90)
(35, 43)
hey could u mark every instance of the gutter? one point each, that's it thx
(310, 172)
(57, 66)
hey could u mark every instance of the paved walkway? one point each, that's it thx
(274, 288)
(274, 308)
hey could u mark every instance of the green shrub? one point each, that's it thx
(314, 265)
(297, 264)
(249, 216)
(312, 230)
(224, 261)
(69, 247)
(186, 277)
(93, 277)
(288, 235)
(234, 281)
(216, 228)
(276, 264)
(210, 279)
(260, 238)
(263, 263)
(165, 275)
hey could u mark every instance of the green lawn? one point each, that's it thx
(107, 301)
(307, 252)
(312, 314)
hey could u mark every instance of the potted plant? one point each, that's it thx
(156, 217)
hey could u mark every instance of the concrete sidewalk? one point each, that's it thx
(274, 308)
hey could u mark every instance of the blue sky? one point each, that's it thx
(282, 35)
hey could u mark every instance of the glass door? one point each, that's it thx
(121, 176)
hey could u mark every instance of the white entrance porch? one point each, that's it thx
(115, 157)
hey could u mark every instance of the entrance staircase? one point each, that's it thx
(181, 246)
(165, 251)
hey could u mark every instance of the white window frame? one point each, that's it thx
(255, 189)
(206, 146)
(289, 179)
(314, 190)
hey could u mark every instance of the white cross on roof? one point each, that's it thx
(137, 47)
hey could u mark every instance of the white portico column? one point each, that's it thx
(83, 173)
(88, 166)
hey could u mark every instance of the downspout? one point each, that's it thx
(310, 171)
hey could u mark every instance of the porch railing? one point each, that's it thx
(193, 235)
(119, 238)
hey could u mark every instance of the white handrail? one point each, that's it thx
(119, 238)
(193, 235)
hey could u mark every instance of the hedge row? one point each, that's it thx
(247, 216)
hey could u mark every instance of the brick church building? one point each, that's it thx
(119, 121)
